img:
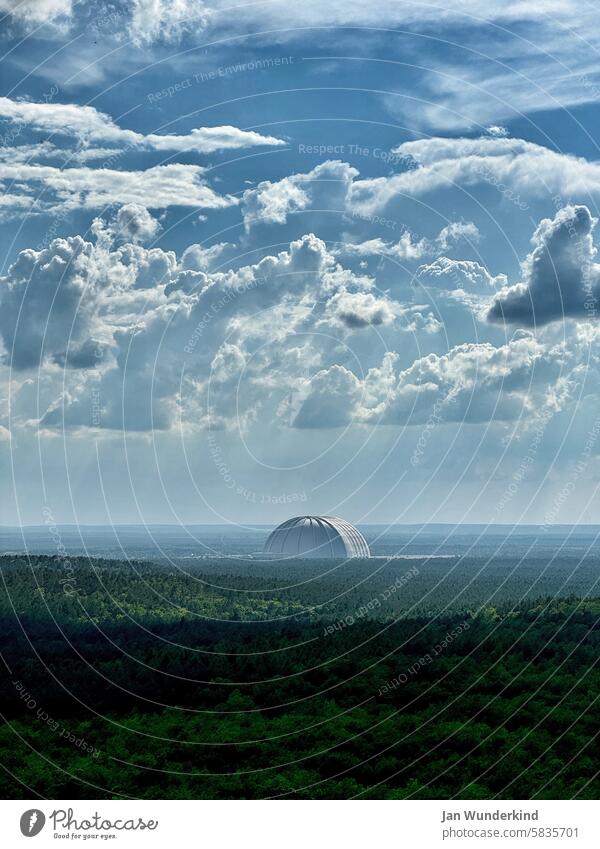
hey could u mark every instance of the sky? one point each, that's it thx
(270, 259)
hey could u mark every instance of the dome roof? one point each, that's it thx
(316, 536)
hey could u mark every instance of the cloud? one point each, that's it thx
(410, 247)
(157, 345)
(360, 309)
(325, 187)
(135, 267)
(333, 186)
(35, 12)
(451, 274)
(455, 231)
(516, 169)
(166, 20)
(64, 303)
(461, 88)
(85, 355)
(477, 92)
(135, 224)
(473, 383)
(407, 247)
(449, 381)
(125, 320)
(90, 126)
(199, 258)
(561, 278)
(524, 168)
(336, 397)
(330, 397)
(497, 131)
(476, 383)
(56, 280)
(148, 21)
(159, 187)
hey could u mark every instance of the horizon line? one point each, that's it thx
(275, 521)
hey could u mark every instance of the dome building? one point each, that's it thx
(316, 536)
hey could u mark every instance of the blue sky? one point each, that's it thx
(261, 260)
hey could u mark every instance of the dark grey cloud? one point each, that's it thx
(87, 355)
(561, 277)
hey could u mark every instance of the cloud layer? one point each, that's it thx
(297, 337)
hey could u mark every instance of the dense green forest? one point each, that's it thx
(377, 679)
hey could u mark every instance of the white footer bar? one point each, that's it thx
(301, 824)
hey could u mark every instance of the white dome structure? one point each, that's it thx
(316, 536)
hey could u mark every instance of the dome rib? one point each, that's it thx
(316, 537)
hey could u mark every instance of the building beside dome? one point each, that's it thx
(316, 536)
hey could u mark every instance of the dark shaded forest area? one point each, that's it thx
(136, 680)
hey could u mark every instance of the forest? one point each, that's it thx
(380, 679)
